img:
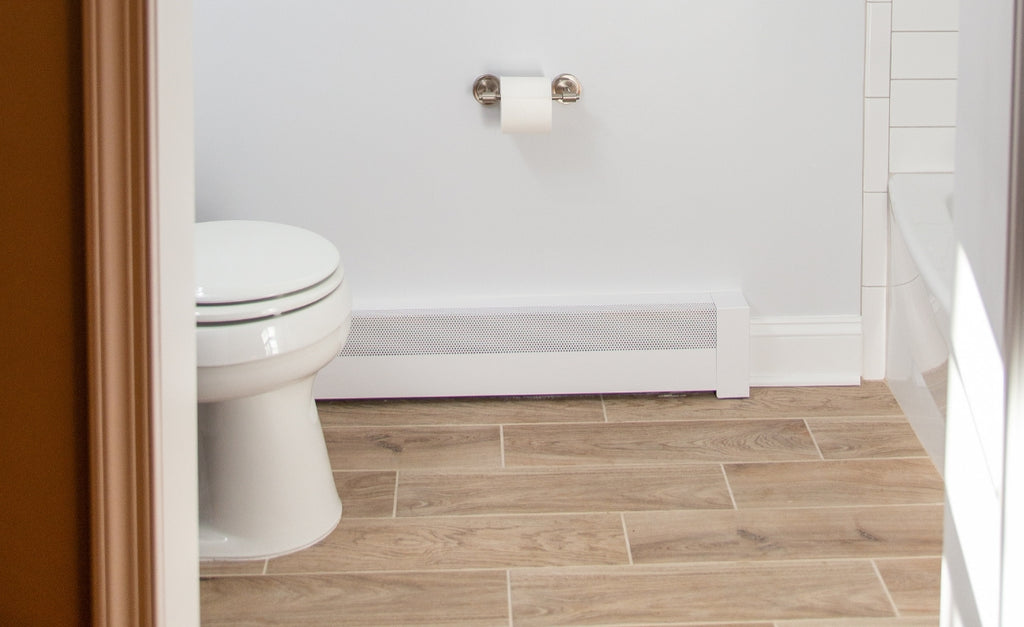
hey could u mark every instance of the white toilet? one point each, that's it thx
(272, 309)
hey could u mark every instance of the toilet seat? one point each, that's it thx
(246, 270)
(267, 307)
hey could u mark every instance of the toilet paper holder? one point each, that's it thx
(566, 89)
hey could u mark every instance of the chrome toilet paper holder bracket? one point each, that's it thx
(566, 89)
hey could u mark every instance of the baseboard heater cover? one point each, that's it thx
(687, 342)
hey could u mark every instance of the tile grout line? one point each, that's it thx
(394, 502)
(207, 576)
(625, 534)
(404, 571)
(885, 587)
(728, 487)
(814, 440)
(925, 31)
(654, 567)
(604, 408)
(483, 423)
(698, 510)
(637, 465)
(920, 126)
(508, 593)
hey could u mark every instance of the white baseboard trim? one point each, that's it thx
(784, 351)
(512, 374)
(805, 351)
(687, 342)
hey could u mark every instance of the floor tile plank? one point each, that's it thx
(460, 598)
(368, 494)
(388, 448)
(371, 544)
(461, 411)
(868, 399)
(849, 438)
(574, 489)
(844, 541)
(835, 483)
(658, 537)
(700, 592)
(657, 443)
(913, 584)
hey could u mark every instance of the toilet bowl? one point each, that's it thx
(272, 309)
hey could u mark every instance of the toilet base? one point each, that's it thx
(265, 482)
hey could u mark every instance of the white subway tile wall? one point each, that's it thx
(923, 103)
(874, 264)
(876, 141)
(922, 115)
(873, 303)
(923, 55)
(876, 50)
(910, 71)
(921, 149)
(920, 15)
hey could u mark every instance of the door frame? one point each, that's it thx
(139, 162)
(118, 311)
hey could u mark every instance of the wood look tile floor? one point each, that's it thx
(796, 507)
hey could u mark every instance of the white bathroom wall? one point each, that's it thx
(922, 116)
(909, 126)
(718, 146)
(976, 419)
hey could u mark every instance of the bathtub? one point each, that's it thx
(922, 256)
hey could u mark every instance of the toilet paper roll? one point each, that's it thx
(525, 104)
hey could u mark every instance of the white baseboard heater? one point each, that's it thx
(673, 343)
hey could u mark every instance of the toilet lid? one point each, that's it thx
(240, 261)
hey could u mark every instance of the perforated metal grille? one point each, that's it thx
(532, 330)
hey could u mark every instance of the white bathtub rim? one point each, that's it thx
(921, 207)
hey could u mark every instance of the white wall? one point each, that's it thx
(909, 126)
(975, 436)
(718, 145)
(984, 147)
